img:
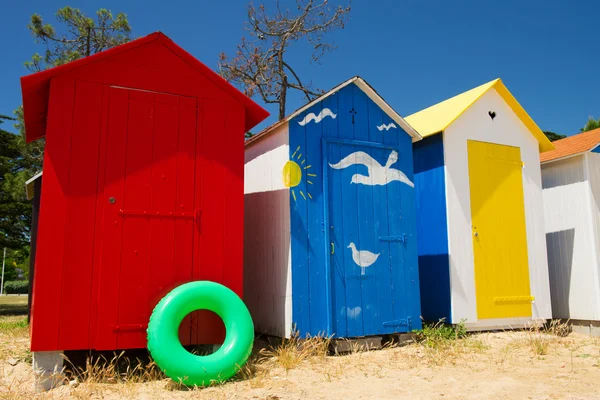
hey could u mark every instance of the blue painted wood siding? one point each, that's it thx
(432, 228)
(328, 292)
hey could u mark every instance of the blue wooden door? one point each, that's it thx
(369, 256)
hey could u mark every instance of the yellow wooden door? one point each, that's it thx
(499, 232)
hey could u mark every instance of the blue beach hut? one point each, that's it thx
(330, 225)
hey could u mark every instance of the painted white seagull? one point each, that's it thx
(377, 174)
(362, 258)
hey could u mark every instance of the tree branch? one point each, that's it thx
(301, 87)
(260, 66)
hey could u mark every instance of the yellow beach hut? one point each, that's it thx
(480, 222)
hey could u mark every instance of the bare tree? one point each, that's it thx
(259, 66)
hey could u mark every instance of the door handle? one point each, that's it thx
(332, 248)
(476, 234)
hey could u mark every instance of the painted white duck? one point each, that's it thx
(362, 258)
(377, 174)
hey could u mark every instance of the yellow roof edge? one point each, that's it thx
(491, 85)
(544, 143)
(438, 117)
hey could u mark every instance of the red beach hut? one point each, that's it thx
(142, 191)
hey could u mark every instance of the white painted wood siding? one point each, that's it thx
(593, 163)
(267, 248)
(507, 129)
(594, 176)
(570, 237)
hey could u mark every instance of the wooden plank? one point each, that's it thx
(301, 311)
(337, 248)
(51, 241)
(98, 219)
(409, 228)
(155, 55)
(158, 80)
(349, 201)
(382, 279)
(321, 194)
(432, 223)
(367, 239)
(163, 185)
(80, 217)
(186, 231)
(267, 240)
(395, 202)
(212, 204)
(112, 227)
(320, 308)
(233, 256)
(133, 291)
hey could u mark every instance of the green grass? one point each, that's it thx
(11, 324)
(439, 334)
(13, 305)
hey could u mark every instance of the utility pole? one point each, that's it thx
(3, 262)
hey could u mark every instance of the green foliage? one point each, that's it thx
(16, 259)
(591, 124)
(16, 287)
(554, 136)
(10, 273)
(15, 210)
(32, 154)
(438, 334)
(82, 36)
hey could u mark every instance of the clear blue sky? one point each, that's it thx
(413, 52)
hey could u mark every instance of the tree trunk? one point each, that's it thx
(88, 50)
(282, 97)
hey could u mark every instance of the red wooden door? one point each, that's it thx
(150, 219)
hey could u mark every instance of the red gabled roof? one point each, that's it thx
(35, 88)
(572, 145)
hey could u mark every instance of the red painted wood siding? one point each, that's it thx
(173, 146)
(49, 258)
(80, 217)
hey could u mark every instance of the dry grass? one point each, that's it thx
(542, 338)
(14, 338)
(297, 368)
(290, 353)
(118, 369)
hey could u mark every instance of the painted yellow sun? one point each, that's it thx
(293, 173)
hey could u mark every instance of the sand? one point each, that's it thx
(500, 365)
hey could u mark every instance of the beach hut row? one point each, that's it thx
(343, 219)
(359, 222)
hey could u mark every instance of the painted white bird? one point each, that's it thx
(362, 258)
(377, 174)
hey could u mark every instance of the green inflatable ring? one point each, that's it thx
(183, 366)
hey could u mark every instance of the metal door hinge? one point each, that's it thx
(128, 327)
(399, 322)
(158, 214)
(513, 299)
(394, 238)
